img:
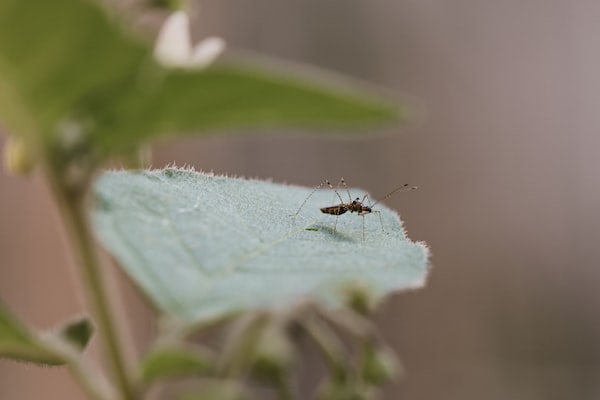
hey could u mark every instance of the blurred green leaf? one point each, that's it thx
(379, 365)
(77, 332)
(175, 360)
(273, 354)
(18, 343)
(167, 4)
(57, 55)
(68, 73)
(203, 246)
(226, 390)
(226, 96)
(349, 390)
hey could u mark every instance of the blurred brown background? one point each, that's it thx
(504, 155)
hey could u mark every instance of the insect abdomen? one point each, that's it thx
(334, 210)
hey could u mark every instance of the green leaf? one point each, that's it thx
(18, 343)
(175, 360)
(228, 97)
(202, 246)
(73, 77)
(49, 348)
(77, 332)
(56, 56)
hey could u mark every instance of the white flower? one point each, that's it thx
(174, 46)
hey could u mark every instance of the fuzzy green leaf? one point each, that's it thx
(18, 343)
(70, 76)
(202, 246)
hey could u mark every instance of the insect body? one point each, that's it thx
(354, 206)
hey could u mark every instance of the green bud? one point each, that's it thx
(360, 299)
(77, 332)
(18, 157)
(379, 365)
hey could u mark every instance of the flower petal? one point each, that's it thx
(206, 51)
(173, 45)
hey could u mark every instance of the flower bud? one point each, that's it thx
(18, 157)
(379, 365)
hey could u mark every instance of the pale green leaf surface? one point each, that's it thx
(202, 246)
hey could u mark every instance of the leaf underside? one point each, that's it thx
(202, 246)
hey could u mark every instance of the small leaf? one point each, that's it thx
(379, 365)
(203, 246)
(18, 343)
(175, 360)
(78, 332)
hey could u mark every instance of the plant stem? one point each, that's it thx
(72, 208)
(284, 391)
(92, 381)
(82, 371)
(329, 344)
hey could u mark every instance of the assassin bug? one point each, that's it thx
(354, 206)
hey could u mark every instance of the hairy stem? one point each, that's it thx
(72, 209)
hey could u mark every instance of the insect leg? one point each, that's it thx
(366, 197)
(343, 183)
(403, 188)
(363, 225)
(380, 220)
(325, 182)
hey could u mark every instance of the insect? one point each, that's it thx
(354, 206)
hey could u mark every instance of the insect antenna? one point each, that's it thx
(404, 188)
(325, 182)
